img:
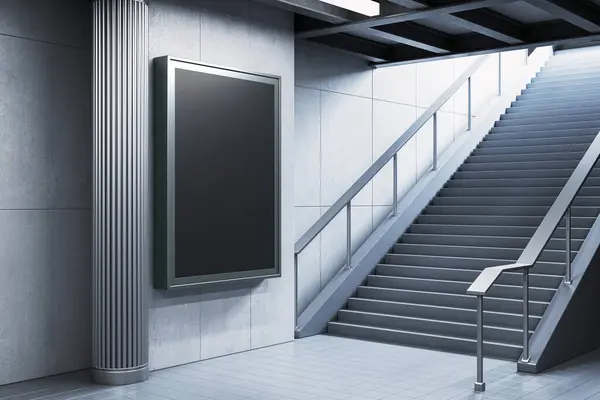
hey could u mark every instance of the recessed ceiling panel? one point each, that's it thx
(439, 25)
(523, 12)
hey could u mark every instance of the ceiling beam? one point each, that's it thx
(490, 24)
(409, 35)
(418, 36)
(401, 17)
(397, 54)
(576, 12)
(484, 22)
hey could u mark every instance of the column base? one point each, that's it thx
(120, 377)
(527, 367)
(479, 387)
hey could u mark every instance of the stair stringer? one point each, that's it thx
(570, 326)
(313, 320)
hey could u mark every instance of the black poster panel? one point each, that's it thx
(221, 186)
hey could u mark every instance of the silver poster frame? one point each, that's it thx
(165, 131)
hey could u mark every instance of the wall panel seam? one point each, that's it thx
(70, 46)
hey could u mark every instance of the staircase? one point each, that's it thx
(483, 217)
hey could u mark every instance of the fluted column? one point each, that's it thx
(121, 219)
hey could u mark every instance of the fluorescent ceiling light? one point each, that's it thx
(365, 7)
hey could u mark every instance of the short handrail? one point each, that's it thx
(530, 255)
(391, 153)
(386, 157)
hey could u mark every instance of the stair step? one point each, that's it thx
(506, 210)
(488, 230)
(499, 210)
(498, 220)
(529, 173)
(439, 312)
(575, 57)
(579, 54)
(430, 326)
(570, 84)
(515, 242)
(563, 62)
(587, 114)
(457, 287)
(515, 182)
(514, 201)
(476, 252)
(502, 134)
(558, 55)
(572, 81)
(507, 182)
(549, 76)
(593, 78)
(559, 106)
(541, 267)
(588, 54)
(567, 73)
(507, 158)
(521, 165)
(464, 275)
(562, 97)
(449, 300)
(465, 346)
(535, 102)
(566, 92)
(543, 141)
(520, 120)
(484, 150)
(549, 126)
(512, 191)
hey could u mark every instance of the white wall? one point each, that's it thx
(45, 188)
(347, 115)
(195, 326)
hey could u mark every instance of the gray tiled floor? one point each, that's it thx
(329, 368)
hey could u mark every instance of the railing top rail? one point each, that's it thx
(370, 173)
(544, 232)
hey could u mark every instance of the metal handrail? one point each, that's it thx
(391, 153)
(560, 208)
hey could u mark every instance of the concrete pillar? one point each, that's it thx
(121, 215)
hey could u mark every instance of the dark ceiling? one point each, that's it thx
(408, 31)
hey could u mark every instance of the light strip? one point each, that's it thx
(365, 7)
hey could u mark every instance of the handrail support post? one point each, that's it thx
(435, 141)
(349, 235)
(470, 114)
(395, 186)
(568, 272)
(526, 357)
(479, 383)
(296, 290)
(499, 74)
